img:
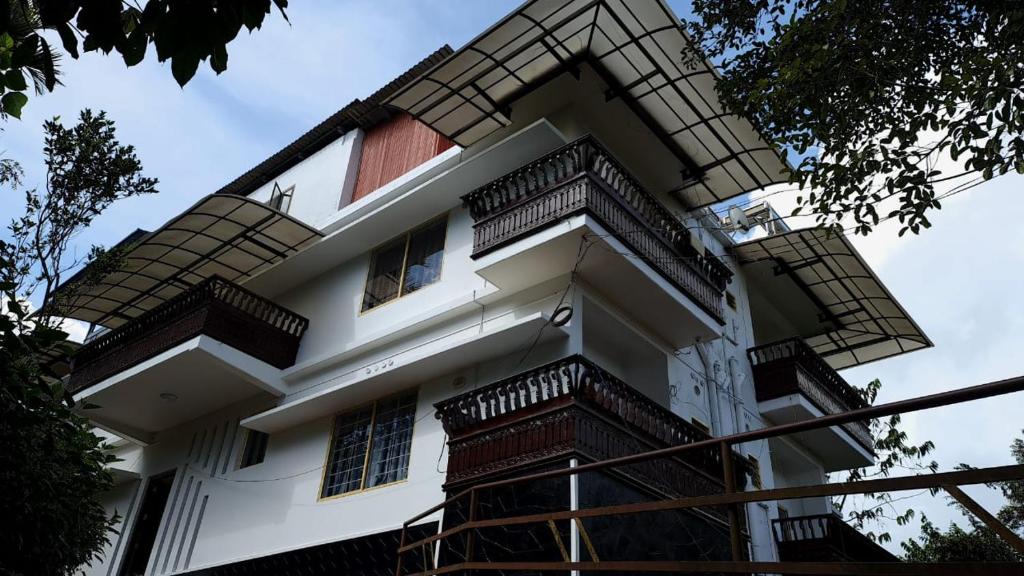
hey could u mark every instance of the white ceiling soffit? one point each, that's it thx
(231, 236)
(868, 323)
(637, 47)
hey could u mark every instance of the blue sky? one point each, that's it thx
(960, 280)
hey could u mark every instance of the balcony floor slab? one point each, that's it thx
(610, 268)
(834, 447)
(403, 370)
(202, 374)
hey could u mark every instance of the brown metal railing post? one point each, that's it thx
(472, 517)
(401, 544)
(993, 523)
(729, 475)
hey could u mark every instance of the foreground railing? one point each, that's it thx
(214, 307)
(582, 177)
(792, 367)
(824, 537)
(466, 530)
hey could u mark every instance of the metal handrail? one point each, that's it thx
(734, 498)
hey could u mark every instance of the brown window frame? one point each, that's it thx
(368, 450)
(407, 236)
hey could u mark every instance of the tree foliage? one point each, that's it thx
(52, 467)
(182, 31)
(977, 542)
(894, 453)
(871, 94)
(87, 170)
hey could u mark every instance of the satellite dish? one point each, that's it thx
(738, 218)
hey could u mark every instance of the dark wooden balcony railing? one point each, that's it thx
(216, 308)
(792, 367)
(572, 405)
(582, 177)
(824, 538)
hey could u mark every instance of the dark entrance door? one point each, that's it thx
(143, 535)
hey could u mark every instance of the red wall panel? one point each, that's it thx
(393, 148)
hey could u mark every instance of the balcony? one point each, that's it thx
(793, 383)
(210, 346)
(573, 407)
(573, 410)
(824, 538)
(644, 250)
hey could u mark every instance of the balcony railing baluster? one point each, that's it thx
(792, 367)
(824, 537)
(582, 177)
(574, 379)
(216, 307)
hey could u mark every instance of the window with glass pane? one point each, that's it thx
(348, 452)
(255, 448)
(281, 199)
(371, 446)
(405, 264)
(392, 440)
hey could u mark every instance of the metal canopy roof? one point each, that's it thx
(867, 322)
(231, 236)
(637, 48)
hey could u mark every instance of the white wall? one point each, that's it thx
(333, 301)
(122, 500)
(323, 182)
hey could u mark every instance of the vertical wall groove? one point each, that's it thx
(128, 517)
(230, 440)
(209, 449)
(177, 522)
(195, 533)
(188, 522)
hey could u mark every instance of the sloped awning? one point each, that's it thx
(231, 236)
(637, 48)
(860, 320)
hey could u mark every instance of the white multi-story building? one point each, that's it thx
(503, 261)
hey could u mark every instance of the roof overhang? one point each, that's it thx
(231, 236)
(637, 48)
(859, 319)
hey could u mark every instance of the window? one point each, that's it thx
(255, 448)
(281, 199)
(370, 446)
(405, 264)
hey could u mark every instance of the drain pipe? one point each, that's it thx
(711, 378)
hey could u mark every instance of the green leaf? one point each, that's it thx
(183, 67)
(13, 102)
(68, 38)
(219, 58)
(49, 72)
(26, 51)
(15, 80)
